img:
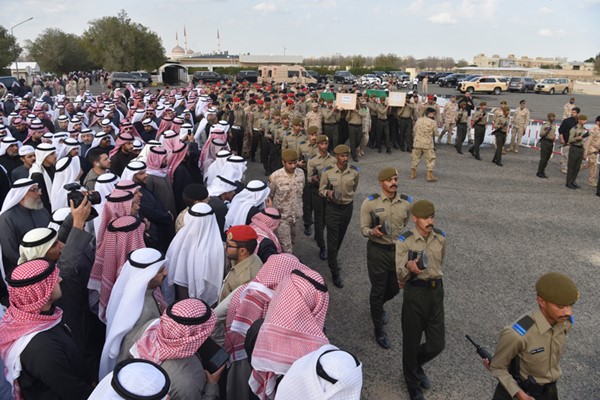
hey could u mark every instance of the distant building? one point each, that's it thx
(511, 61)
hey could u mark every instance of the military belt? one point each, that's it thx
(430, 284)
(389, 247)
(339, 206)
(329, 124)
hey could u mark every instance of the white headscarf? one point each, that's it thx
(66, 146)
(234, 169)
(136, 377)
(196, 258)
(16, 193)
(220, 185)
(254, 195)
(67, 171)
(58, 217)
(41, 152)
(127, 301)
(105, 184)
(217, 166)
(98, 138)
(36, 243)
(144, 153)
(303, 381)
(131, 169)
(8, 141)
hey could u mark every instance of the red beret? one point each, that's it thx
(431, 97)
(289, 101)
(241, 233)
(259, 101)
(290, 95)
(236, 99)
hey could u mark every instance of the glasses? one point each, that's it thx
(229, 246)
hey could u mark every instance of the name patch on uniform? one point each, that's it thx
(538, 350)
(333, 179)
(380, 210)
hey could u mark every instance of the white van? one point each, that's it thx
(290, 74)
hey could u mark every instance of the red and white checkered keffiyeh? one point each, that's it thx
(293, 327)
(265, 226)
(118, 204)
(23, 319)
(154, 161)
(166, 124)
(250, 303)
(208, 155)
(122, 138)
(178, 153)
(169, 339)
(123, 235)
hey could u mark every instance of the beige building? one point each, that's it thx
(511, 61)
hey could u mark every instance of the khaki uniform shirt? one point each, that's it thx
(501, 123)
(240, 274)
(317, 163)
(449, 114)
(434, 245)
(306, 151)
(497, 112)
(355, 117)
(286, 192)
(272, 130)
(238, 117)
(381, 110)
(408, 111)
(292, 141)
(424, 131)
(521, 117)
(548, 131)
(462, 117)
(256, 119)
(593, 142)
(539, 349)
(280, 132)
(479, 117)
(330, 115)
(343, 183)
(567, 110)
(575, 133)
(249, 119)
(396, 211)
(314, 119)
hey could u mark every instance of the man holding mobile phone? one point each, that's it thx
(420, 253)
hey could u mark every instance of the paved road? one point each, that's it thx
(505, 228)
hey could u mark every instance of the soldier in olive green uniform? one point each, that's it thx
(237, 129)
(500, 130)
(355, 124)
(478, 119)
(338, 186)
(383, 126)
(420, 253)
(292, 139)
(313, 175)
(382, 217)
(265, 149)
(331, 118)
(405, 124)
(547, 136)
(576, 155)
(307, 149)
(462, 117)
(536, 342)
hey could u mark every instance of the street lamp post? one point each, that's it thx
(11, 33)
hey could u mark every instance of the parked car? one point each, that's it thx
(207, 77)
(381, 75)
(119, 79)
(451, 80)
(319, 77)
(485, 84)
(429, 74)
(437, 76)
(370, 79)
(343, 77)
(523, 85)
(8, 81)
(553, 85)
(399, 75)
(249, 76)
(142, 74)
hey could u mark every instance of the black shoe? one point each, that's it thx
(459, 151)
(382, 339)
(471, 150)
(598, 194)
(499, 163)
(415, 394)
(323, 253)
(307, 230)
(539, 175)
(396, 146)
(471, 141)
(570, 186)
(337, 280)
(425, 384)
(544, 176)
(389, 151)
(494, 161)
(478, 158)
(576, 185)
(384, 318)
(379, 150)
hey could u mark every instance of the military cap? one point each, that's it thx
(241, 233)
(312, 130)
(297, 121)
(582, 117)
(289, 155)
(382, 98)
(505, 109)
(387, 173)
(285, 116)
(430, 110)
(277, 113)
(341, 149)
(423, 209)
(462, 103)
(522, 101)
(322, 138)
(551, 115)
(483, 104)
(329, 100)
(557, 288)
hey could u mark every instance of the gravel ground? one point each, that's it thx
(505, 228)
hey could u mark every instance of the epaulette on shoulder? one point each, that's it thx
(355, 167)
(373, 196)
(439, 232)
(288, 133)
(302, 142)
(404, 235)
(523, 325)
(326, 168)
(406, 197)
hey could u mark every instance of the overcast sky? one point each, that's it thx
(454, 28)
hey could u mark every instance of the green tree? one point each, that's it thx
(118, 44)
(59, 52)
(9, 48)
(596, 62)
